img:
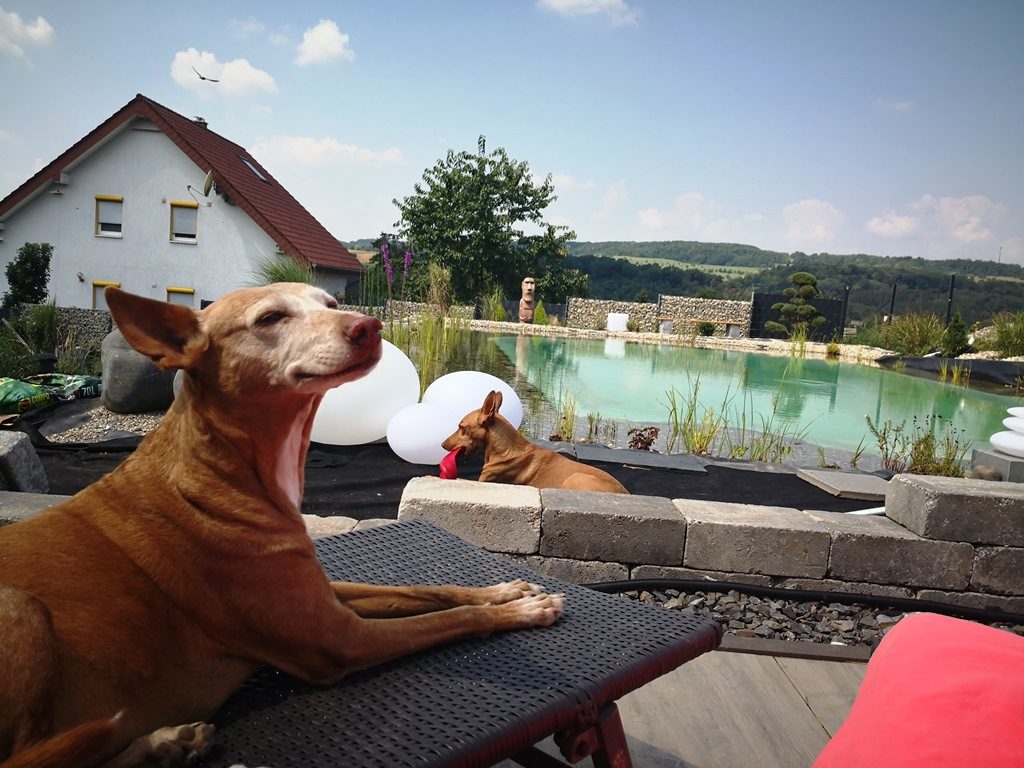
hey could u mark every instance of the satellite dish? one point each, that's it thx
(208, 183)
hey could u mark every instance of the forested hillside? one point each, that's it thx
(723, 254)
(982, 288)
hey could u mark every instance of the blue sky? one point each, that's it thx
(894, 128)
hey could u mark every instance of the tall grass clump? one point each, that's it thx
(494, 305)
(915, 335)
(23, 338)
(921, 451)
(430, 337)
(283, 269)
(1009, 334)
(692, 427)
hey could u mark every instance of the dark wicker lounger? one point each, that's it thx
(473, 703)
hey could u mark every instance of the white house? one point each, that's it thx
(125, 206)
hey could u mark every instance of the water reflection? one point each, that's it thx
(827, 400)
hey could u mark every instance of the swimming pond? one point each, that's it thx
(823, 400)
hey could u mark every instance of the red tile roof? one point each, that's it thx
(280, 215)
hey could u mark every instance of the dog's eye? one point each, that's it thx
(332, 304)
(270, 318)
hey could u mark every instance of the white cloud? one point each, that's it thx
(246, 27)
(304, 151)
(685, 216)
(1012, 251)
(238, 78)
(965, 219)
(811, 222)
(322, 43)
(566, 183)
(617, 12)
(6, 136)
(892, 224)
(279, 39)
(896, 105)
(14, 33)
(614, 198)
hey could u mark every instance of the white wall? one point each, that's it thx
(144, 167)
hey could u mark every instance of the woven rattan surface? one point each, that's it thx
(470, 703)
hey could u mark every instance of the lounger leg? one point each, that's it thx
(604, 741)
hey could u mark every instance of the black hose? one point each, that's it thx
(903, 604)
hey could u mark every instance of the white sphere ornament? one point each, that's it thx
(358, 412)
(416, 432)
(1011, 443)
(464, 391)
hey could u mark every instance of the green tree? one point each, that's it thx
(468, 214)
(954, 338)
(28, 276)
(796, 315)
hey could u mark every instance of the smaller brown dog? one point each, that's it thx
(510, 458)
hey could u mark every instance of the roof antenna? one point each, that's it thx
(207, 186)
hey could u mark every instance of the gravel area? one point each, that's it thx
(94, 423)
(768, 618)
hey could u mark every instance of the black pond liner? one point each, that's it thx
(366, 481)
(998, 372)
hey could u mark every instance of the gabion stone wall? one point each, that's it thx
(403, 310)
(592, 314)
(686, 313)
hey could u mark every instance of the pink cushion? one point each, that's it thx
(937, 692)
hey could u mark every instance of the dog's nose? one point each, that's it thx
(363, 330)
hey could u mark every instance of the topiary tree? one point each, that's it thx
(796, 315)
(28, 276)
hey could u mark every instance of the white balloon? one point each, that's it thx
(416, 432)
(358, 411)
(464, 391)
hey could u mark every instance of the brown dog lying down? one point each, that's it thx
(145, 600)
(511, 458)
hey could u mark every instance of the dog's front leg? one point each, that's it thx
(382, 602)
(324, 648)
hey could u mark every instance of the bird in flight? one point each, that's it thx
(203, 77)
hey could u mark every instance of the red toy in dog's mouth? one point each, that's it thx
(449, 469)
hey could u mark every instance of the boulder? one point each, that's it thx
(132, 383)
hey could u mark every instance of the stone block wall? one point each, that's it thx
(592, 314)
(404, 310)
(90, 326)
(687, 312)
(590, 537)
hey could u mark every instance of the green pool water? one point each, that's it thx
(825, 400)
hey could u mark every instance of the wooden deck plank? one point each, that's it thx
(827, 687)
(722, 710)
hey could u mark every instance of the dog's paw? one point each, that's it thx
(179, 745)
(541, 610)
(508, 591)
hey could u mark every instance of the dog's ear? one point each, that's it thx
(491, 405)
(168, 334)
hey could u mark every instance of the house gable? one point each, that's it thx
(161, 157)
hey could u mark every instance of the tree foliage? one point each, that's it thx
(28, 276)
(469, 212)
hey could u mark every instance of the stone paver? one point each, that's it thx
(612, 527)
(846, 485)
(999, 569)
(877, 550)
(746, 538)
(495, 516)
(20, 467)
(958, 509)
